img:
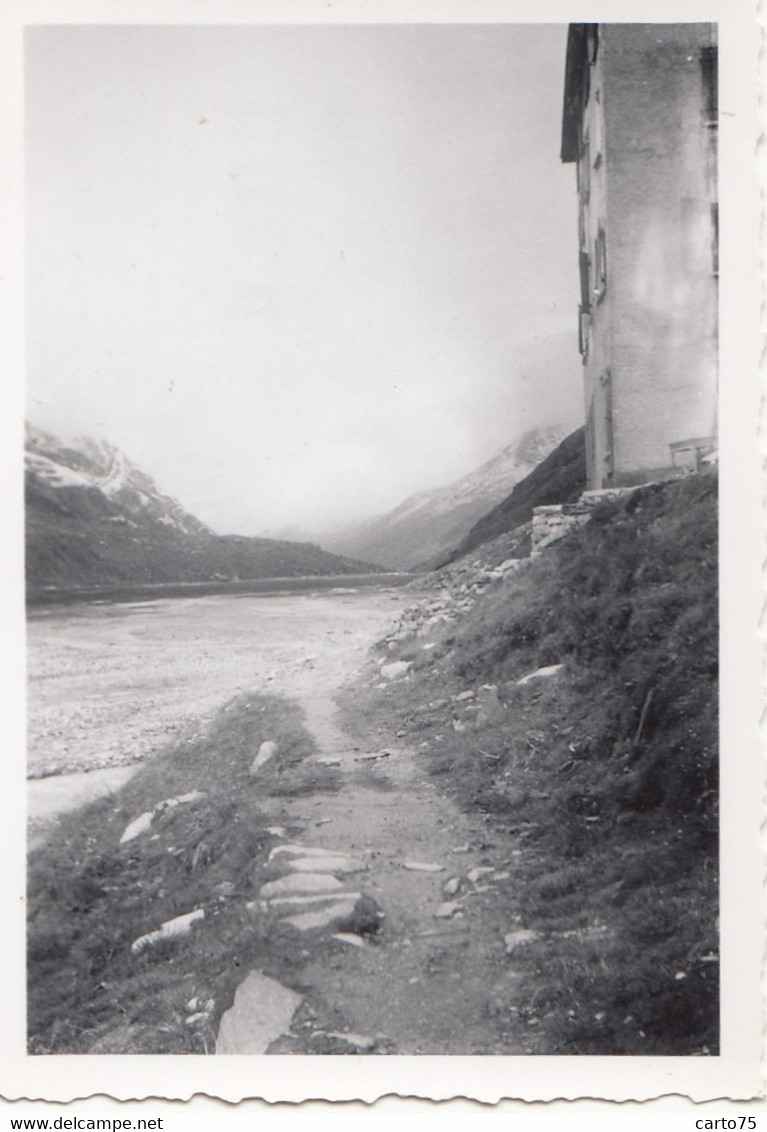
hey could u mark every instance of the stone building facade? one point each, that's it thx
(640, 125)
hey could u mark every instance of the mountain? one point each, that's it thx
(560, 478)
(430, 523)
(95, 518)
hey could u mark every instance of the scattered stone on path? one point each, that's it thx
(300, 884)
(461, 848)
(138, 826)
(395, 670)
(359, 1041)
(372, 757)
(462, 697)
(329, 760)
(294, 850)
(335, 914)
(171, 929)
(266, 753)
(276, 830)
(513, 940)
(473, 875)
(448, 909)
(547, 670)
(143, 822)
(333, 865)
(450, 887)
(181, 800)
(286, 904)
(323, 821)
(423, 867)
(351, 938)
(262, 1010)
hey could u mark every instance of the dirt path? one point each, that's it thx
(425, 983)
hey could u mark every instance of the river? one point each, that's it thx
(111, 685)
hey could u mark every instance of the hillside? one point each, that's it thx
(560, 478)
(94, 518)
(431, 523)
(604, 765)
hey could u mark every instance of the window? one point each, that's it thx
(709, 73)
(600, 265)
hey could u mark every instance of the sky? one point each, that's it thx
(298, 273)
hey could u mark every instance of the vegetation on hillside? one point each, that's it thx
(90, 897)
(606, 772)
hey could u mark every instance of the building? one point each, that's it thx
(640, 125)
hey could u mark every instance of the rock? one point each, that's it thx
(294, 850)
(491, 708)
(138, 826)
(262, 1010)
(276, 830)
(448, 909)
(473, 875)
(171, 929)
(328, 760)
(300, 884)
(195, 1019)
(423, 867)
(266, 753)
(372, 757)
(450, 887)
(334, 865)
(365, 918)
(332, 915)
(463, 696)
(547, 670)
(461, 848)
(359, 1041)
(519, 938)
(287, 904)
(181, 800)
(395, 670)
(351, 938)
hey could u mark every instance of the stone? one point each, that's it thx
(540, 673)
(171, 929)
(463, 696)
(334, 865)
(423, 867)
(372, 757)
(395, 670)
(450, 887)
(519, 938)
(266, 752)
(138, 826)
(276, 830)
(359, 1041)
(332, 915)
(328, 760)
(180, 800)
(492, 710)
(262, 1011)
(300, 884)
(448, 909)
(287, 904)
(473, 875)
(295, 850)
(351, 938)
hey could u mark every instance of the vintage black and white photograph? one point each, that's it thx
(371, 464)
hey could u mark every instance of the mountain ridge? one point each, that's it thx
(428, 524)
(93, 517)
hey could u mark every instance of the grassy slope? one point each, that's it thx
(607, 772)
(90, 897)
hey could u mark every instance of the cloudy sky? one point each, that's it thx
(298, 273)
